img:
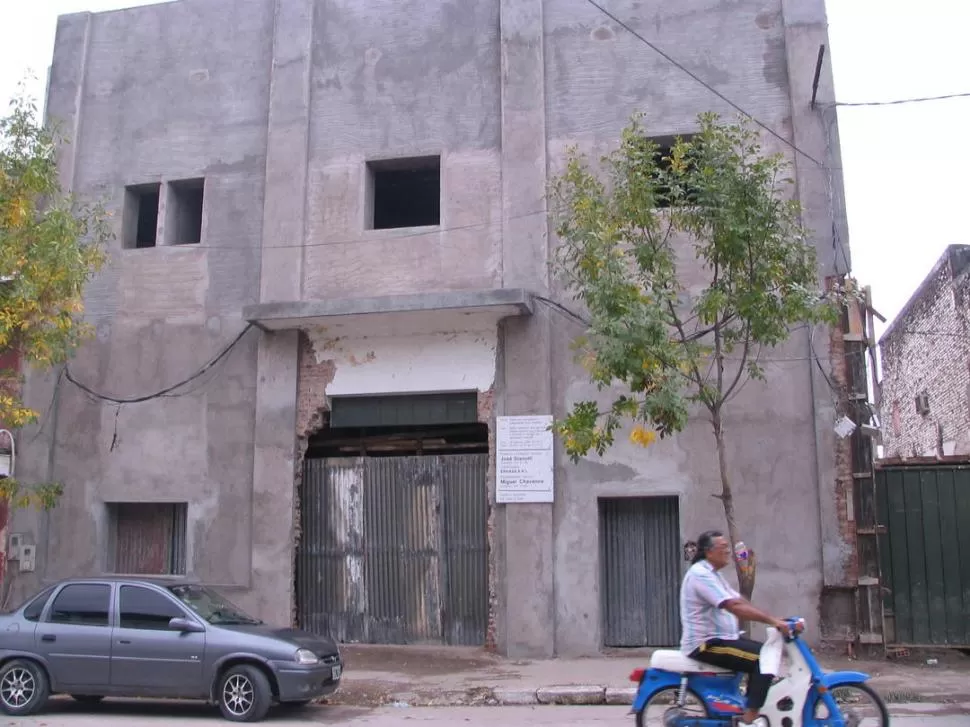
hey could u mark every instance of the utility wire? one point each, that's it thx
(167, 390)
(701, 81)
(900, 101)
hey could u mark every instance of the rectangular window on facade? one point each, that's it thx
(147, 538)
(666, 144)
(183, 210)
(404, 192)
(140, 215)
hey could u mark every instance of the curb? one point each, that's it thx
(590, 695)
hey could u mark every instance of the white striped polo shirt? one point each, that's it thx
(702, 591)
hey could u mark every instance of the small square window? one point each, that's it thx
(140, 216)
(183, 215)
(404, 192)
(147, 538)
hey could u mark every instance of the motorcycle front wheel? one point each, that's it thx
(661, 703)
(859, 704)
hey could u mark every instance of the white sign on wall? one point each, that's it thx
(523, 459)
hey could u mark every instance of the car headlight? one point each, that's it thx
(305, 656)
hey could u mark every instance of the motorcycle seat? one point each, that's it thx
(679, 663)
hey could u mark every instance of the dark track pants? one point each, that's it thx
(743, 656)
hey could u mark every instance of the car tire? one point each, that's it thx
(87, 698)
(24, 687)
(244, 694)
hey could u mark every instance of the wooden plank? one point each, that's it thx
(885, 547)
(950, 558)
(961, 489)
(933, 552)
(901, 594)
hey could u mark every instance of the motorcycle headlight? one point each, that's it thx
(305, 656)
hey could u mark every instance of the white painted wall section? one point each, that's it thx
(413, 364)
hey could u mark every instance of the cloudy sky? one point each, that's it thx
(905, 165)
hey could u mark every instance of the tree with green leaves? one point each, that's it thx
(50, 246)
(663, 344)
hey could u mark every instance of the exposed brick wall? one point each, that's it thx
(927, 349)
(844, 466)
(486, 415)
(311, 405)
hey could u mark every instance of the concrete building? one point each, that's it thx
(925, 361)
(365, 182)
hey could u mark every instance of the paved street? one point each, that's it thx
(153, 714)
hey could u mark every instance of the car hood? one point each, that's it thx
(320, 645)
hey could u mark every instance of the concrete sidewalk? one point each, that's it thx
(436, 676)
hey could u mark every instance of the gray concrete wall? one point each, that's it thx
(280, 108)
(152, 94)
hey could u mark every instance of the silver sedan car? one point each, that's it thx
(139, 637)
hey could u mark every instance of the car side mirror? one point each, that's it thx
(185, 625)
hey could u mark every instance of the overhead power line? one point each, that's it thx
(702, 82)
(899, 101)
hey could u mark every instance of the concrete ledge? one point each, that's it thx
(285, 315)
(571, 695)
(620, 695)
(513, 697)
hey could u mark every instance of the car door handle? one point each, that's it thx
(124, 641)
(48, 637)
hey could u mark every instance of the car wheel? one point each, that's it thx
(244, 694)
(87, 698)
(24, 688)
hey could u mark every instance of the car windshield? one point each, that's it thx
(212, 607)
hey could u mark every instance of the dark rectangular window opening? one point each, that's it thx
(147, 538)
(404, 192)
(183, 222)
(666, 145)
(140, 217)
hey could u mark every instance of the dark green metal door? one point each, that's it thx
(925, 553)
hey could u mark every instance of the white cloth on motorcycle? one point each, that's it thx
(770, 657)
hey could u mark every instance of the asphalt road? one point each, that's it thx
(153, 714)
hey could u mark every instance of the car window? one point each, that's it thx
(143, 608)
(82, 604)
(35, 608)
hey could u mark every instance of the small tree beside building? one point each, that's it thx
(673, 333)
(50, 246)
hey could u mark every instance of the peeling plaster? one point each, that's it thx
(454, 361)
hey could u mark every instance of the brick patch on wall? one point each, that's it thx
(311, 408)
(486, 415)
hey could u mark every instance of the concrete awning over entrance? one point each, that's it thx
(395, 314)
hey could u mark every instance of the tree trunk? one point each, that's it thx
(745, 580)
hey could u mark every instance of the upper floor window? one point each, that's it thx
(163, 214)
(404, 192)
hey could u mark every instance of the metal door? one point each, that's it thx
(640, 567)
(925, 553)
(393, 549)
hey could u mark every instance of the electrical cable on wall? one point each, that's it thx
(167, 391)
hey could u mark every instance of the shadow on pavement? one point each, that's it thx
(189, 711)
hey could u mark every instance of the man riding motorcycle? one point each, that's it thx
(709, 612)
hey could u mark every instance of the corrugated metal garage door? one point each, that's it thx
(641, 571)
(394, 550)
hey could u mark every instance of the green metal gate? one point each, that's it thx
(925, 553)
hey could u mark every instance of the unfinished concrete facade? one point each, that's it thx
(262, 133)
(925, 353)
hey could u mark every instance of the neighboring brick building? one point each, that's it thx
(925, 388)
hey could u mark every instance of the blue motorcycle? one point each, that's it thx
(677, 691)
